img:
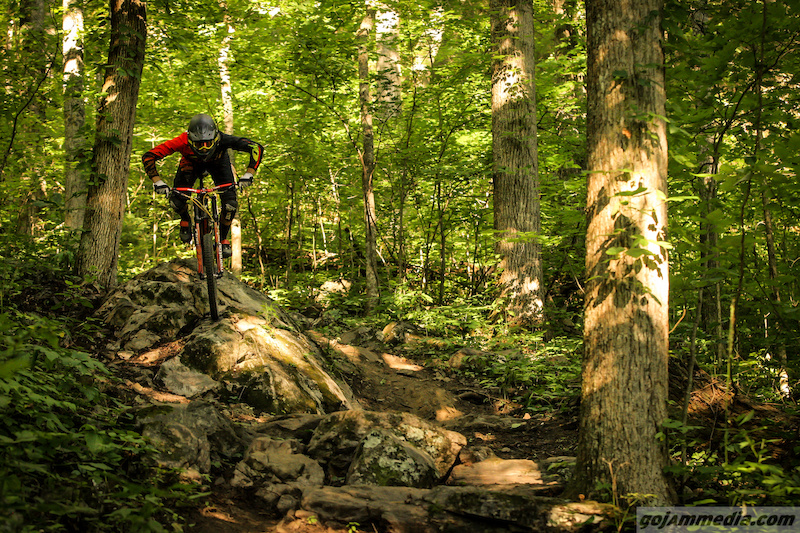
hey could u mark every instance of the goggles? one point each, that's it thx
(203, 146)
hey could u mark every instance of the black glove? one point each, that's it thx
(161, 188)
(246, 180)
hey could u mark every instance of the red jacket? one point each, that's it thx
(181, 144)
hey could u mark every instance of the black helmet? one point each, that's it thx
(203, 136)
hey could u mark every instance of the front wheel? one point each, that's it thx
(210, 269)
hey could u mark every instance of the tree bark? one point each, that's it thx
(105, 204)
(32, 32)
(226, 90)
(75, 180)
(624, 390)
(514, 145)
(388, 63)
(368, 161)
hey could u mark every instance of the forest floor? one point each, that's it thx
(436, 392)
(431, 393)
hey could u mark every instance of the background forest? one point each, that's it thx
(286, 75)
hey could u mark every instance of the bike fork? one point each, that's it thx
(198, 247)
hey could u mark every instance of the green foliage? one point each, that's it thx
(70, 458)
(739, 469)
(538, 376)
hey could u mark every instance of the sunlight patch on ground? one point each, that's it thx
(400, 363)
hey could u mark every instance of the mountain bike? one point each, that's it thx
(205, 234)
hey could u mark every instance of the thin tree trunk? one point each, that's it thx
(75, 180)
(368, 162)
(515, 177)
(32, 31)
(105, 203)
(624, 390)
(226, 91)
(711, 311)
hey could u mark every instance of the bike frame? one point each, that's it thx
(206, 219)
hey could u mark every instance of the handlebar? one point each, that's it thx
(204, 190)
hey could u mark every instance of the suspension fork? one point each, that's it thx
(214, 212)
(203, 218)
(200, 228)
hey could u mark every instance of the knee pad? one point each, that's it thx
(229, 208)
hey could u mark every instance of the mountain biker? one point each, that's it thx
(204, 148)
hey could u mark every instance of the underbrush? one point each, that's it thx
(70, 458)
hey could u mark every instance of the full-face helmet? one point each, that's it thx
(203, 136)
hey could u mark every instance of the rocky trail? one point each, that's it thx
(294, 431)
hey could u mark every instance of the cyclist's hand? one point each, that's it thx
(160, 187)
(246, 180)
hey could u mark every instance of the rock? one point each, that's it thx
(488, 423)
(179, 379)
(521, 506)
(559, 468)
(189, 436)
(464, 358)
(397, 332)
(330, 288)
(255, 350)
(268, 461)
(160, 303)
(453, 509)
(339, 435)
(360, 335)
(387, 506)
(292, 426)
(274, 370)
(286, 503)
(383, 458)
(496, 471)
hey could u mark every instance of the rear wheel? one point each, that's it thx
(210, 270)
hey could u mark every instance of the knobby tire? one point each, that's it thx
(210, 268)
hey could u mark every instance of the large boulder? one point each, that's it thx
(385, 459)
(254, 354)
(269, 461)
(189, 436)
(342, 438)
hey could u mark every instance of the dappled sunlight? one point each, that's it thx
(247, 323)
(443, 414)
(496, 471)
(153, 394)
(400, 363)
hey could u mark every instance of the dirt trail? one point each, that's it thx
(384, 381)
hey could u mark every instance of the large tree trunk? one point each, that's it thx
(516, 179)
(105, 206)
(74, 116)
(368, 162)
(624, 392)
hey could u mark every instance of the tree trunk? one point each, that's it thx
(516, 180)
(624, 391)
(105, 203)
(388, 63)
(32, 31)
(227, 107)
(75, 181)
(711, 309)
(368, 162)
